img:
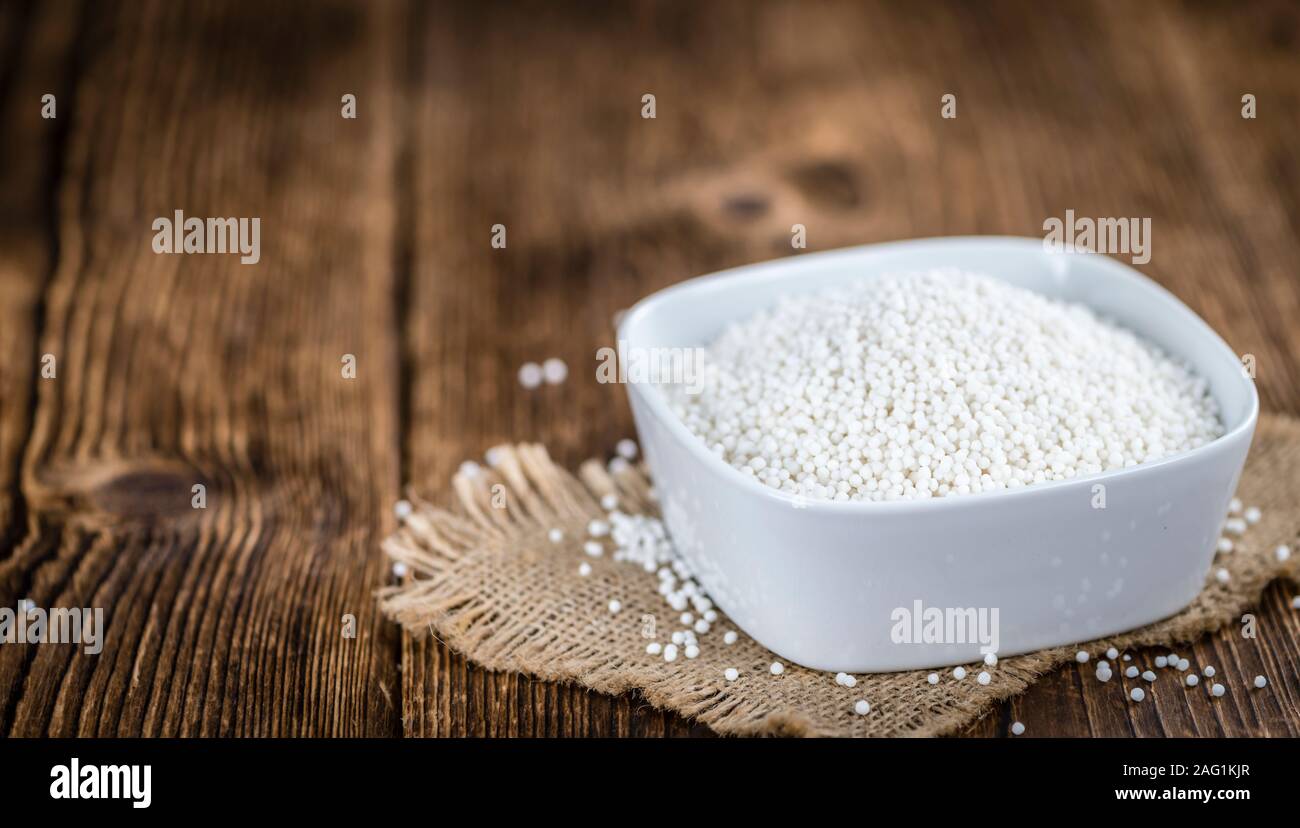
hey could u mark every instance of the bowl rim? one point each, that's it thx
(657, 401)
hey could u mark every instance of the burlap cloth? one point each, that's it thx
(486, 580)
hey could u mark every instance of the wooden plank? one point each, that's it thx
(1220, 189)
(176, 370)
(478, 313)
(38, 58)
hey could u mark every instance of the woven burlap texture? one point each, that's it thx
(486, 580)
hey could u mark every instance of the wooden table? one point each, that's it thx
(176, 370)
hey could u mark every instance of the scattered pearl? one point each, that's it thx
(1224, 546)
(731, 674)
(1252, 515)
(1209, 672)
(494, 457)
(626, 449)
(686, 618)
(555, 535)
(653, 648)
(1218, 690)
(615, 605)
(1082, 656)
(1112, 654)
(1183, 664)
(861, 707)
(598, 528)
(471, 469)
(1282, 553)
(554, 371)
(933, 678)
(959, 673)
(584, 569)
(1104, 675)
(400, 570)
(530, 375)
(1161, 661)
(850, 681)
(1260, 682)
(593, 548)
(1235, 526)
(678, 637)
(701, 626)
(402, 509)
(1131, 672)
(1017, 729)
(609, 502)
(1295, 602)
(711, 615)
(692, 651)
(729, 637)
(777, 668)
(991, 659)
(1234, 506)
(1193, 679)
(1149, 676)
(984, 677)
(1128, 657)
(670, 652)
(1222, 575)
(1137, 694)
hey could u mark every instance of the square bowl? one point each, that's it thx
(856, 586)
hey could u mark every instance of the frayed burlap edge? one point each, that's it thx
(487, 581)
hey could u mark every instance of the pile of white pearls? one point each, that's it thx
(935, 384)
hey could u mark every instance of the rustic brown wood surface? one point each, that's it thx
(177, 370)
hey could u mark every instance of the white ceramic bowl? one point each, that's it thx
(821, 583)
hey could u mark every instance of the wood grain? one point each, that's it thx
(175, 370)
